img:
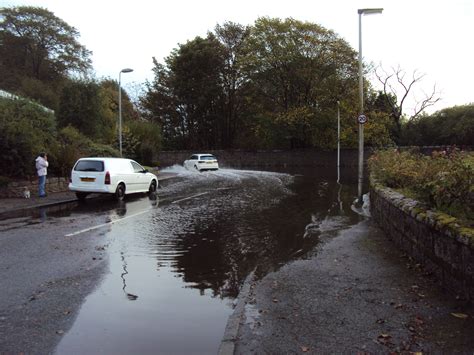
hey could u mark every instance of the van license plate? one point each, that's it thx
(87, 179)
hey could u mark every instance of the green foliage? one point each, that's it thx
(148, 136)
(38, 52)
(49, 45)
(377, 130)
(4, 181)
(74, 145)
(280, 75)
(82, 106)
(27, 129)
(445, 180)
(449, 126)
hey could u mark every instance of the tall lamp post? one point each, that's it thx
(362, 117)
(126, 70)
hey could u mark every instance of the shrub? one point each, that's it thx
(26, 129)
(74, 145)
(142, 141)
(445, 180)
(4, 181)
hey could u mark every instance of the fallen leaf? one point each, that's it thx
(459, 315)
(304, 349)
(275, 300)
(419, 321)
(384, 339)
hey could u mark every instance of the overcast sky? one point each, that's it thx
(433, 37)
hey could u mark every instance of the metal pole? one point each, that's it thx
(338, 142)
(120, 114)
(361, 111)
(361, 100)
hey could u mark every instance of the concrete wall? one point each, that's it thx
(244, 158)
(16, 188)
(434, 239)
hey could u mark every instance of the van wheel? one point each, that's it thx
(152, 188)
(81, 196)
(120, 192)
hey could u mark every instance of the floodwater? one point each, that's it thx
(176, 264)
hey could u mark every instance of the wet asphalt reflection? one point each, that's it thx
(177, 262)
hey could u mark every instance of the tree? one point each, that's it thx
(186, 95)
(271, 85)
(27, 129)
(81, 106)
(38, 53)
(299, 71)
(160, 105)
(232, 36)
(45, 44)
(453, 125)
(397, 88)
(108, 91)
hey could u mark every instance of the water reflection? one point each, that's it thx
(130, 296)
(214, 240)
(185, 259)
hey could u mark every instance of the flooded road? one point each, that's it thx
(177, 264)
(161, 274)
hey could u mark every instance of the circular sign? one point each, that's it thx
(362, 119)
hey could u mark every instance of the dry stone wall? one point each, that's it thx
(16, 188)
(432, 238)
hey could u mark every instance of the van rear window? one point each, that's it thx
(89, 165)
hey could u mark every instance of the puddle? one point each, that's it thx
(176, 269)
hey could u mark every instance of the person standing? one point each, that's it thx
(41, 168)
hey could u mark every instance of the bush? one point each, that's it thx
(74, 145)
(142, 141)
(26, 129)
(445, 180)
(4, 181)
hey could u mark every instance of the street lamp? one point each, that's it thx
(126, 70)
(361, 100)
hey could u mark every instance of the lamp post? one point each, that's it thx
(126, 70)
(338, 141)
(361, 100)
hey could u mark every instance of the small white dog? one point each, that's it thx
(26, 192)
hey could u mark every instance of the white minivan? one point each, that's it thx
(115, 176)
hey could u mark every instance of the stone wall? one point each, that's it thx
(432, 238)
(254, 158)
(16, 188)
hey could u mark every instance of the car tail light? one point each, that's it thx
(201, 161)
(107, 178)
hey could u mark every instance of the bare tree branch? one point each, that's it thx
(395, 85)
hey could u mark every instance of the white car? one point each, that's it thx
(115, 176)
(201, 162)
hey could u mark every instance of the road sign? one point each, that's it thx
(362, 119)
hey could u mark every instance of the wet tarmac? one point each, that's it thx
(165, 270)
(176, 268)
